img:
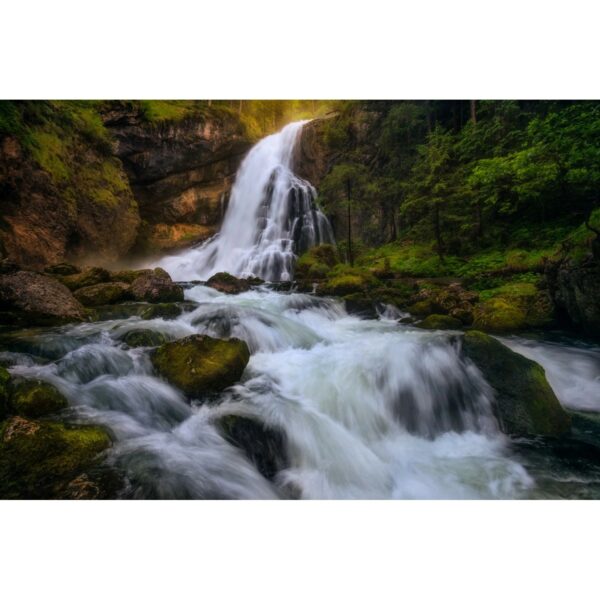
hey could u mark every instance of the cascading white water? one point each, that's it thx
(271, 218)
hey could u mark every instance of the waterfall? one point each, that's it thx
(271, 218)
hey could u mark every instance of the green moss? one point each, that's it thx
(50, 150)
(316, 262)
(525, 401)
(168, 110)
(498, 315)
(102, 293)
(38, 458)
(439, 322)
(35, 398)
(89, 277)
(199, 364)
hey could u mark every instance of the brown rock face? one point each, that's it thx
(313, 157)
(39, 299)
(67, 215)
(180, 173)
(156, 286)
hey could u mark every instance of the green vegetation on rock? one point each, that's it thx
(439, 322)
(199, 364)
(35, 398)
(144, 337)
(525, 402)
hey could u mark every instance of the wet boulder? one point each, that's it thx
(90, 276)
(130, 275)
(199, 364)
(39, 458)
(264, 446)
(228, 284)
(156, 286)
(34, 398)
(162, 310)
(439, 322)
(144, 337)
(525, 402)
(103, 293)
(37, 299)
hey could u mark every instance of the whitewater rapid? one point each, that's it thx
(272, 218)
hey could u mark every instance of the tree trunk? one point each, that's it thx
(438, 232)
(348, 199)
(428, 113)
(209, 102)
(240, 108)
(474, 111)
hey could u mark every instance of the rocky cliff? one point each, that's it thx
(180, 172)
(102, 182)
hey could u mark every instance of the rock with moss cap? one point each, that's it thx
(228, 284)
(103, 293)
(90, 276)
(34, 398)
(38, 458)
(199, 364)
(156, 286)
(525, 403)
(439, 322)
(36, 299)
(264, 446)
(62, 269)
(162, 310)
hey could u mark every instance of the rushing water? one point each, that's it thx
(271, 218)
(370, 408)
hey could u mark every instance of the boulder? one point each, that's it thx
(39, 299)
(525, 403)
(439, 322)
(228, 284)
(62, 269)
(34, 398)
(156, 286)
(163, 310)
(144, 337)
(91, 276)
(103, 293)
(38, 458)
(199, 364)
(264, 446)
(130, 275)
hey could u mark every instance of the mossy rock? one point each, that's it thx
(424, 308)
(156, 286)
(264, 446)
(34, 398)
(38, 458)
(199, 364)
(361, 305)
(144, 337)
(498, 315)
(164, 310)
(5, 389)
(439, 322)
(91, 276)
(102, 293)
(525, 402)
(128, 276)
(316, 262)
(228, 284)
(62, 269)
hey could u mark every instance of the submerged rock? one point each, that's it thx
(38, 458)
(525, 402)
(156, 286)
(439, 322)
(144, 337)
(38, 299)
(34, 398)
(228, 284)
(163, 310)
(263, 445)
(103, 293)
(199, 364)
